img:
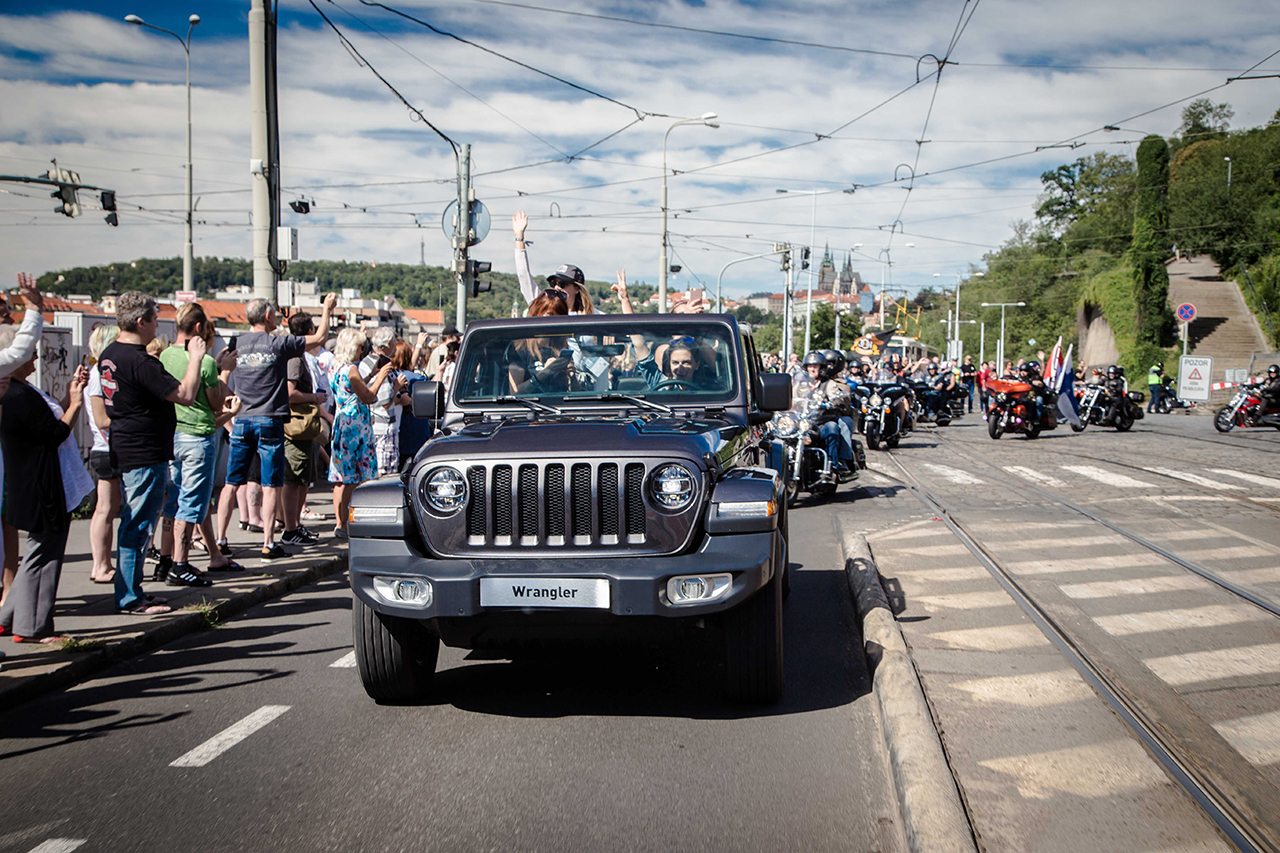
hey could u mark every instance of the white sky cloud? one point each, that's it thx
(107, 100)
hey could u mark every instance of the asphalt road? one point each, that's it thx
(277, 747)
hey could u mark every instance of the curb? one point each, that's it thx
(160, 633)
(934, 819)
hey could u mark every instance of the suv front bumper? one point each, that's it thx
(637, 584)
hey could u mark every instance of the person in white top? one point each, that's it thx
(567, 277)
(108, 506)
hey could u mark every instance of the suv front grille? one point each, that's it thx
(535, 504)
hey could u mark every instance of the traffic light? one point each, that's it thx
(66, 192)
(786, 260)
(474, 270)
(300, 206)
(804, 258)
(109, 205)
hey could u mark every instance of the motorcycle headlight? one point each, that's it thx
(805, 426)
(785, 425)
(672, 487)
(875, 399)
(1002, 396)
(445, 490)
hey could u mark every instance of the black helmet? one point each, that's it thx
(931, 367)
(814, 357)
(1033, 366)
(1115, 370)
(835, 361)
(1273, 370)
(1160, 364)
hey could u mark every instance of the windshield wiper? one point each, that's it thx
(630, 398)
(531, 405)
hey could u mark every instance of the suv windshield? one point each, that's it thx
(559, 360)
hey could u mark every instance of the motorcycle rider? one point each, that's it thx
(1117, 390)
(1155, 386)
(940, 387)
(836, 364)
(1271, 392)
(835, 393)
(1030, 374)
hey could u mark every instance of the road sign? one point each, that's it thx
(1194, 372)
(1186, 312)
(184, 296)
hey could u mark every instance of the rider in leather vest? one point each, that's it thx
(1117, 388)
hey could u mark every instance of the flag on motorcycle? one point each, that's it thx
(1053, 367)
(1066, 387)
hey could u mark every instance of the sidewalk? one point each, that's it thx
(86, 610)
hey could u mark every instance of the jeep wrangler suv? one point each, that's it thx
(592, 476)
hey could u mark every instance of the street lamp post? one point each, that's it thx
(708, 119)
(188, 249)
(1228, 159)
(720, 277)
(813, 251)
(953, 348)
(1002, 306)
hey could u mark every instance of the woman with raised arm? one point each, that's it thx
(567, 277)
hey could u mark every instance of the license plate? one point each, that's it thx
(544, 592)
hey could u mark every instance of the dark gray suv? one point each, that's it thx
(592, 476)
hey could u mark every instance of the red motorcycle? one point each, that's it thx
(1013, 409)
(1245, 410)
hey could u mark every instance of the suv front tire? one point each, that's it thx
(396, 657)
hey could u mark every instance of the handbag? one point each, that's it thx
(304, 422)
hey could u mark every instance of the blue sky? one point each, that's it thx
(107, 99)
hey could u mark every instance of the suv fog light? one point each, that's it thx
(411, 592)
(697, 589)
(746, 509)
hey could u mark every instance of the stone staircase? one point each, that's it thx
(1224, 329)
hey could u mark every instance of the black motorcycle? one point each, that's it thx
(950, 408)
(887, 412)
(1169, 401)
(800, 454)
(1095, 403)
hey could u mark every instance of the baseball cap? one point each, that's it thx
(450, 330)
(569, 273)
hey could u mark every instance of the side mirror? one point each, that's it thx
(775, 392)
(428, 400)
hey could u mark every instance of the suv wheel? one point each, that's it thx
(396, 657)
(753, 646)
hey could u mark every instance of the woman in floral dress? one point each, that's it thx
(352, 460)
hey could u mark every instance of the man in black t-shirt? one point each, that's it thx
(969, 378)
(262, 384)
(140, 395)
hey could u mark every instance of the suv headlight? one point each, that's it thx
(445, 490)
(672, 487)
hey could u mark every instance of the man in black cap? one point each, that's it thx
(450, 334)
(567, 277)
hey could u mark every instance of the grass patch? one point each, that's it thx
(208, 612)
(80, 645)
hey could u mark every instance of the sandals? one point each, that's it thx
(111, 578)
(46, 640)
(143, 607)
(231, 566)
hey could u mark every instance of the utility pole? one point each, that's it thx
(787, 311)
(462, 236)
(260, 161)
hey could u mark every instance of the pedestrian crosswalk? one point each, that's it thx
(1069, 477)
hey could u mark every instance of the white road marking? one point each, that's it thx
(953, 475)
(964, 573)
(1227, 532)
(1195, 667)
(1035, 476)
(1036, 690)
(1111, 478)
(1256, 738)
(998, 639)
(1256, 479)
(964, 600)
(345, 662)
(1093, 771)
(1236, 553)
(912, 529)
(59, 845)
(950, 550)
(229, 737)
(1141, 586)
(1085, 564)
(1210, 616)
(1191, 478)
(1180, 535)
(1004, 527)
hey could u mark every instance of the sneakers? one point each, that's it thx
(182, 574)
(164, 565)
(251, 528)
(152, 555)
(301, 536)
(275, 552)
(224, 549)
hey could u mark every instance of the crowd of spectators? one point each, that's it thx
(182, 437)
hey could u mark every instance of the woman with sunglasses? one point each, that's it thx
(567, 278)
(540, 364)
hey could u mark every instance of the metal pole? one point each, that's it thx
(787, 320)
(720, 277)
(662, 257)
(462, 235)
(882, 295)
(1000, 348)
(813, 253)
(188, 249)
(982, 346)
(264, 274)
(1185, 336)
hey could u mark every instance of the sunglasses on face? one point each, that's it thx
(558, 294)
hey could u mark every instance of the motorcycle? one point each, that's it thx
(800, 454)
(1013, 409)
(1246, 409)
(1095, 402)
(1169, 401)
(887, 413)
(946, 412)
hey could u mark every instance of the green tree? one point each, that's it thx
(1202, 117)
(1153, 322)
(1089, 203)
